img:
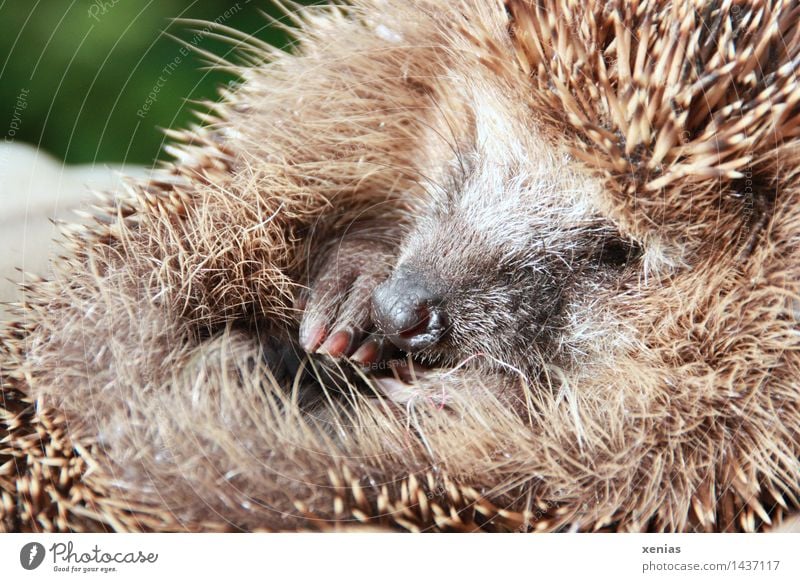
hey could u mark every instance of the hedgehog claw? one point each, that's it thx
(338, 344)
(336, 315)
(312, 335)
(369, 352)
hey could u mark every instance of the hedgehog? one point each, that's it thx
(478, 265)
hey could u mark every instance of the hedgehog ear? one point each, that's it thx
(682, 110)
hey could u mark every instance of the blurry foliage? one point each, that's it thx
(86, 67)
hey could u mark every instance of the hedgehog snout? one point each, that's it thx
(409, 312)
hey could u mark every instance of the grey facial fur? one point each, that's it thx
(504, 256)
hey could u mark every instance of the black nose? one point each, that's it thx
(410, 315)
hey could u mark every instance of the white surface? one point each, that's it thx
(34, 188)
(385, 557)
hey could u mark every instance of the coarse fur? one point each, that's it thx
(496, 146)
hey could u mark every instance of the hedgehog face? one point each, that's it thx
(502, 262)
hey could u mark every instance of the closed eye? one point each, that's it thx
(615, 251)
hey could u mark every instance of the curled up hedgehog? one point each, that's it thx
(449, 265)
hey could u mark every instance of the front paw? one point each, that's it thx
(336, 307)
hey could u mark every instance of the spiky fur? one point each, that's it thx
(136, 394)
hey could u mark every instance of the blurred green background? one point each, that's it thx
(76, 74)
